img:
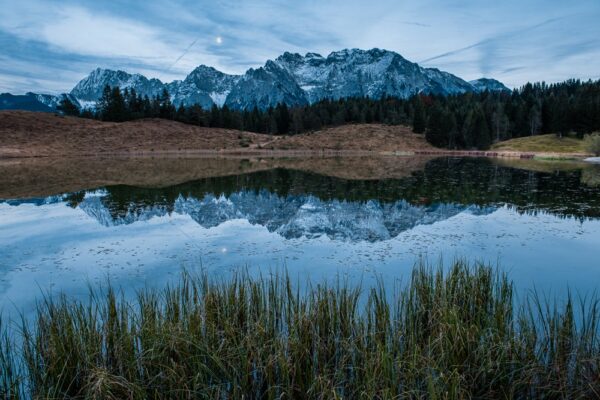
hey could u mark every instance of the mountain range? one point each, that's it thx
(291, 78)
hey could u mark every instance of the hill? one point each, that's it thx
(355, 137)
(543, 144)
(29, 134)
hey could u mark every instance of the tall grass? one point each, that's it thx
(455, 334)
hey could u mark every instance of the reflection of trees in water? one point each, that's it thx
(465, 181)
(590, 176)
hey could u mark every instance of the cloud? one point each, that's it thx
(539, 51)
(51, 44)
(415, 24)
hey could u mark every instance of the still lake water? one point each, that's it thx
(64, 226)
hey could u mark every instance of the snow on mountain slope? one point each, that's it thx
(291, 78)
(372, 73)
(265, 87)
(91, 87)
(53, 101)
(204, 85)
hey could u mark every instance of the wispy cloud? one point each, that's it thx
(48, 44)
(415, 24)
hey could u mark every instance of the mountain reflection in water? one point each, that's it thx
(317, 218)
(296, 203)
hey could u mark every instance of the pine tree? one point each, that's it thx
(103, 104)
(282, 119)
(419, 118)
(468, 130)
(452, 129)
(117, 111)
(215, 117)
(181, 114)
(167, 110)
(436, 134)
(481, 132)
(67, 107)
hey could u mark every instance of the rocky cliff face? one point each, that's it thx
(205, 86)
(373, 73)
(265, 87)
(91, 87)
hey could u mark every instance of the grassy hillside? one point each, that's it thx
(29, 134)
(543, 143)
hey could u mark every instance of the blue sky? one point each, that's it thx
(47, 46)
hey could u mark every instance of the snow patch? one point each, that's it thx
(219, 98)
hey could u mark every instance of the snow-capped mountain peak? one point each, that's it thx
(91, 87)
(291, 78)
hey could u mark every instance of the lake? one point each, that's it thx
(66, 224)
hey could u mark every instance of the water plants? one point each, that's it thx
(458, 332)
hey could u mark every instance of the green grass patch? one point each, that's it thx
(543, 144)
(453, 335)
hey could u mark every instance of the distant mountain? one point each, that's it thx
(205, 86)
(491, 85)
(33, 102)
(291, 78)
(89, 89)
(266, 86)
(28, 101)
(372, 73)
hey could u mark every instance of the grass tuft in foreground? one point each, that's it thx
(444, 335)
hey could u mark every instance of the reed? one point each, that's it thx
(446, 334)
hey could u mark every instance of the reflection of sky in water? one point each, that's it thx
(56, 247)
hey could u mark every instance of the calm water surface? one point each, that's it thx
(539, 221)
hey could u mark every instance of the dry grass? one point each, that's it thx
(28, 134)
(542, 144)
(361, 137)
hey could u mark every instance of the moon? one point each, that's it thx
(219, 40)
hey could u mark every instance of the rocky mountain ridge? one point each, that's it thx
(291, 78)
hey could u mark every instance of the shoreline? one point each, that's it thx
(267, 153)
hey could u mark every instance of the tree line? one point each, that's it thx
(477, 120)
(463, 121)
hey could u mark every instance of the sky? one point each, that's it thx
(47, 46)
